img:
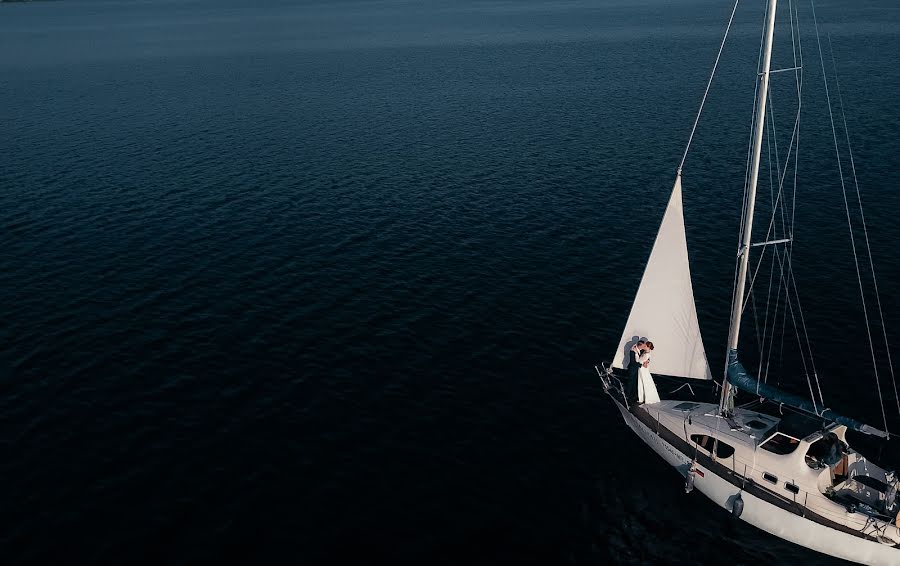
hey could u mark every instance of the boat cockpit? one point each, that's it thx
(850, 479)
(846, 477)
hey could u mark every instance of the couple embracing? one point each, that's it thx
(641, 387)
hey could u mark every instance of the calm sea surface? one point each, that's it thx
(308, 282)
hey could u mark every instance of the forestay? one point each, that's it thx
(663, 310)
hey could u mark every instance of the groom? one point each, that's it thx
(631, 388)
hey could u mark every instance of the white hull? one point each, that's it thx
(764, 515)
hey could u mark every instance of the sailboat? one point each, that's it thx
(788, 471)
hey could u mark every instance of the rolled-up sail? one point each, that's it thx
(740, 378)
(663, 310)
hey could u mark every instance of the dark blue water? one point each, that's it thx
(311, 282)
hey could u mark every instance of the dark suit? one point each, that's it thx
(631, 388)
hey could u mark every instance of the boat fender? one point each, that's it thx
(737, 506)
(689, 482)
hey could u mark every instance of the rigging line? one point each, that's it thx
(771, 137)
(708, 84)
(762, 343)
(781, 177)
(775, 320)
(771, 227)
(777, 204)
(789, 249)
(777, 207)
(795, 136)
(792, 280)
(795, 133)
(768, 358)
(751, 294)
(798, 77)
(756, 270)
(771, 116)
(751, 297)
(797, 49)
(849, 223)
(763, 354)
(795, 46)
(783, 326)
(887, 348)
(771, 336)
(756, 329)
(800, 343)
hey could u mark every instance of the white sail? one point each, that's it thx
(663, 310)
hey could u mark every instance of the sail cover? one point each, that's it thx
(663, 310)
(741, 378)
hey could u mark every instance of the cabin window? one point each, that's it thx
(703, 441)
(724, 450)
(780, 444)
(792, 488)
(706, 442)
(770, 478)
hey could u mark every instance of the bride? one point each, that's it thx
(646, 387)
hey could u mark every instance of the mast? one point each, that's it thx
(726, 403)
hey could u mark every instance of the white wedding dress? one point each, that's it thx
(646, 387)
